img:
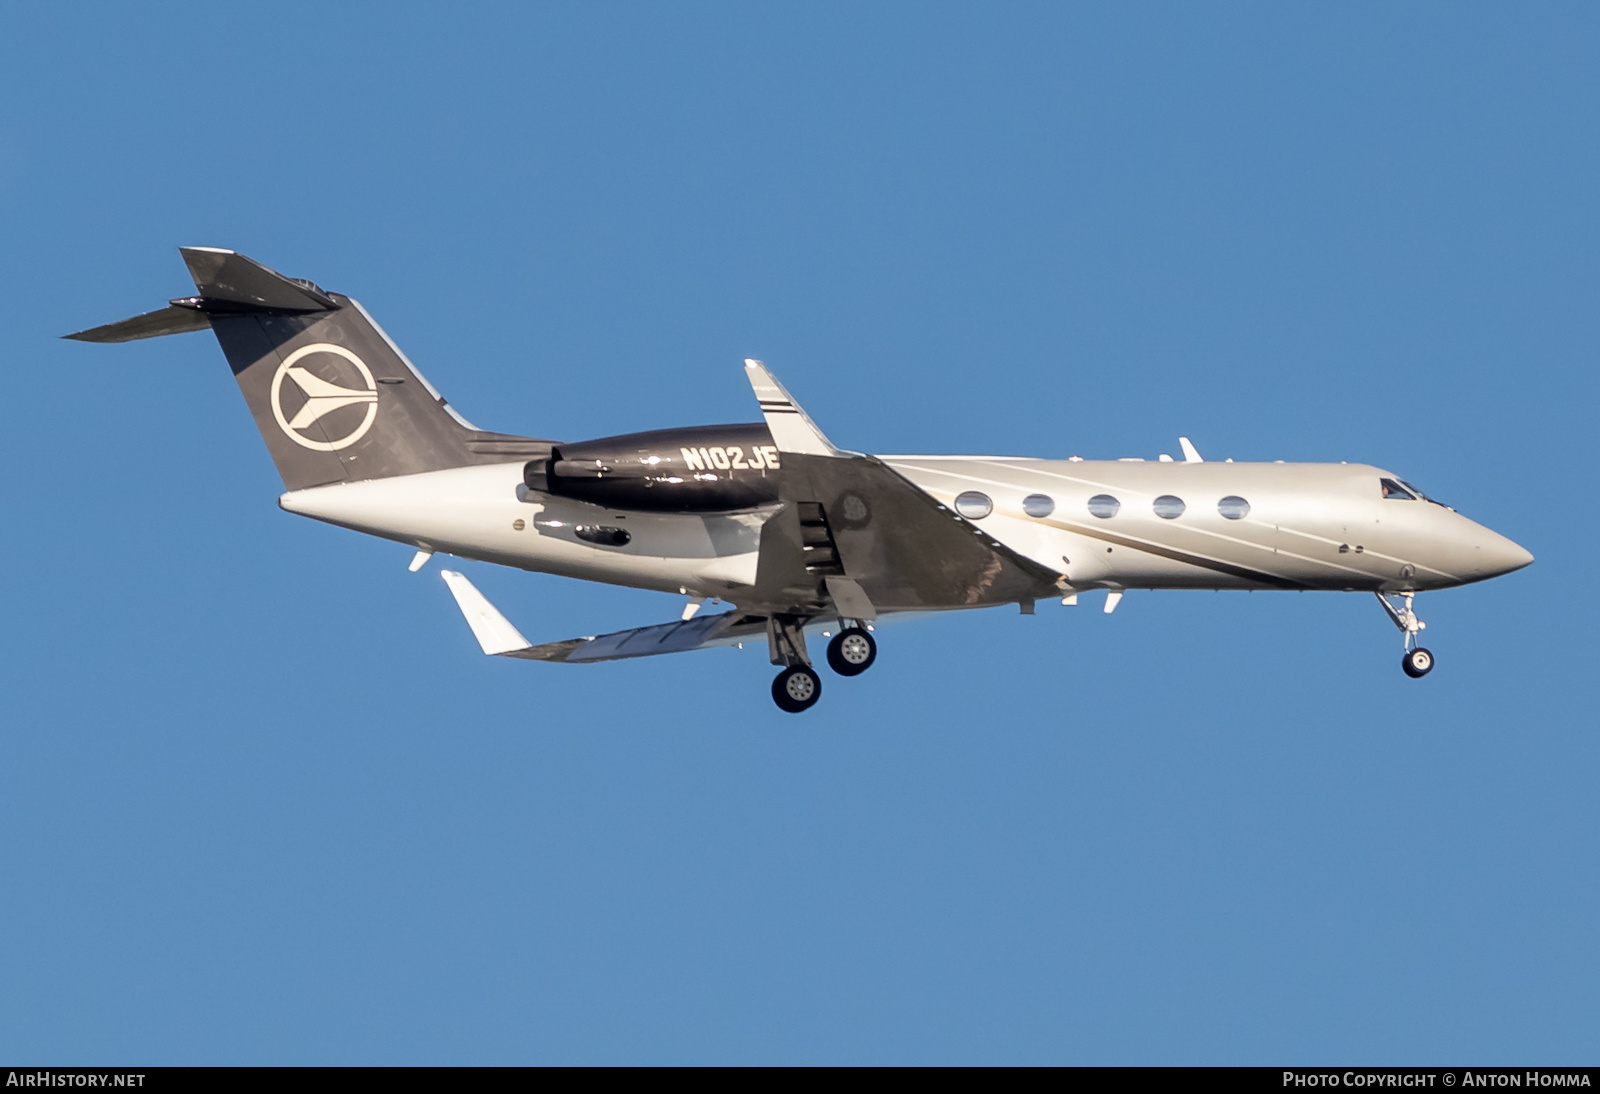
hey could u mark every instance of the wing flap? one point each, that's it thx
(499, 638)
(700, 633)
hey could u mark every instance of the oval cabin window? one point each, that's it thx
(1038, 505)
(1104, 506)
(1167, 507)
(1233, 507)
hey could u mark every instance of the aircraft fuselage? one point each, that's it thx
(1111, 524)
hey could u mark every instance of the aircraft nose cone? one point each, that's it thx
(1498, 555)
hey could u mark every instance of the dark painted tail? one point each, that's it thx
(334, 398)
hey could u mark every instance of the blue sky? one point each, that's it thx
(263, 801)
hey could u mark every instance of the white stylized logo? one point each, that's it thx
(323, 397)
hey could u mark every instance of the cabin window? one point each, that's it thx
(1167, 507)
(1104, 506)
(1233, 507)
(1038, 505)
(1393, 490)
(974, 504)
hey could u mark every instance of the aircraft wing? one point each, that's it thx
(855, 525)
(499, 638)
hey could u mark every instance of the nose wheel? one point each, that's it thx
(1417, 662)
(796, 689)
(852, 652)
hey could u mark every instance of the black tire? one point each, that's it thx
(1417, 663)
(852, 652)
(796, 689)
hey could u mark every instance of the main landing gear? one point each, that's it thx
(1416, 662)
(852, 651)
(798, 687)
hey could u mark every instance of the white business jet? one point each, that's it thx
(795, 534)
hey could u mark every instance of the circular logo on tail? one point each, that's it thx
(330, 401)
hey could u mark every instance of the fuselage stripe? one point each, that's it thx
(1217, 565)
(1322, 563)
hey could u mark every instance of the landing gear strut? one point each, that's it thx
(797, 687)
(1417, 662)
(852, 651)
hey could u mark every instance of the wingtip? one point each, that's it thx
(495, 634)
(792, 430)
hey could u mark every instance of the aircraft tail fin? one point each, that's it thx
(334, 397)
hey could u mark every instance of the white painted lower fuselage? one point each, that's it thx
(1304, 526)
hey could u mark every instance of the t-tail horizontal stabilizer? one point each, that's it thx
(172, 319)
(334, 398)
(499, 638)
(229, 284)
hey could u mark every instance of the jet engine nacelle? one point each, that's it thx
(701, 469)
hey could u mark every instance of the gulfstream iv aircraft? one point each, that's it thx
(795, 534)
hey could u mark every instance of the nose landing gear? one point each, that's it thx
(1416, 662)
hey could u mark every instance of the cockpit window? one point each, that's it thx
(1402, 490)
